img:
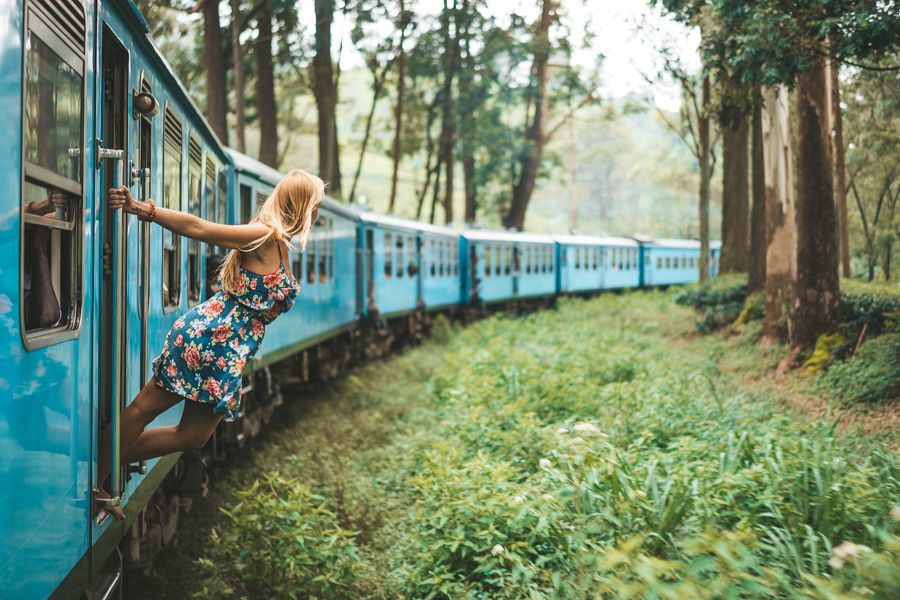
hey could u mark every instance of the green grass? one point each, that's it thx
(596, 450)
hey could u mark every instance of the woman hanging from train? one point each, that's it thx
(205, 351)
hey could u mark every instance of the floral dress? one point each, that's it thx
(206, 349)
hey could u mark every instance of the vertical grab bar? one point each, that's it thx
(145, 275)
(118, 386)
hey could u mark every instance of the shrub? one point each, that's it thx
(872, 376)
(721, 300)
(283, 543)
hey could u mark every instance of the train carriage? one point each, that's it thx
(494, 269)
(391, 264)
(589, 264)
(675, 262)
(440, 273)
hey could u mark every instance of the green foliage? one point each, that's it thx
(872, 376)
(721, 300)
(587, 451)
(870, 305)
(280, 541)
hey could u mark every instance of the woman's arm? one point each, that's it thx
(229, 236)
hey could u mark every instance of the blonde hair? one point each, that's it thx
(288, 213)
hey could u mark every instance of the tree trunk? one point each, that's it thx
(239, 91)
(530, 160)
(447, 118)
(377, 85)
(705, 176)
(735, 201)
(756, 279)
(398, 110)
(214, 60)
(817, 288)
(325, 91)
(840, 178)
(779, 193)
(468, 163)
(265, 91)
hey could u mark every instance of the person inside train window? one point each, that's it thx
(388, 256)
(42, 304)
(204, 354)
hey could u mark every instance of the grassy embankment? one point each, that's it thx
(602, 449)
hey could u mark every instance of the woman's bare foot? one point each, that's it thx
(115, 511)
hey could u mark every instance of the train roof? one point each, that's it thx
(403, 223)
(674, 243)
(263, 172)
(591, 240)
(507, 236)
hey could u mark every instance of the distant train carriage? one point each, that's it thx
(440, 273)
(674, 262)
(589, 264)
(390, 282)
(494, 266)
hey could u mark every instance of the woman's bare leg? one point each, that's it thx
(150, 402)
(198, 422)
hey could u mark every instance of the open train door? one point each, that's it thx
(111, 170)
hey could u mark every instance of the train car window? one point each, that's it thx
(596, 264)
(311, 254)
(297, 260)
(245, 194)
(507, 257)
(322, 249)
(411, 256)
(261, 198)
(222, 197)
(527, 253)
(400, 257)
(171, 270)
(455, 249)
(52, 234)
(495, 253)
(195, 172)
(388, 255)
(431, 262)
(442, 258)
(331, 252)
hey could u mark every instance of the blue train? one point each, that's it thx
(86, 296)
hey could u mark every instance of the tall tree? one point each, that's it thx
(265, 90)
(530, 158)
(214, 59)
(756, 277)
(237, 61)
(449, 62)
(817, 282)
(840, 169)
(404, 24)
(326, 94)
(779, 182)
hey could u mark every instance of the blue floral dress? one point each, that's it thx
(206, 349)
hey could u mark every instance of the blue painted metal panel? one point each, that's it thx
(394, 268)
(440, 269)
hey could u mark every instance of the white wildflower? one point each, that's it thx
(518, 499)
(562, 431)
(589, 429)
(547, 497)
(497, 550)
(577, 439)
(544, 463)
(846, 551)
(895, 513)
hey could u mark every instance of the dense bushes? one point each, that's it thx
(584, 452)
(721, 300)
(872, 376)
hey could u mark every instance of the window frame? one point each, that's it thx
(200, 247)
(176, 239)
(35, 22)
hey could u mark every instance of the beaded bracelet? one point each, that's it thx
(152, 214)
